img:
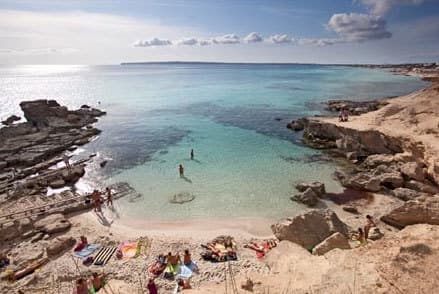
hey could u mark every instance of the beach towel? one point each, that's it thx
(104, 255)
(171, 271)
(128, 249)
(86, 251)
(186, 271)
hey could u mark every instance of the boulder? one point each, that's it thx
(10, 120)
(317, 187)
(56, 184)
(296, 125)
(39, 236)
(391, 180)
(52, 224)
(181, 198)
(375, 234)
(9, 231)
(336, 240)
(421, 187)
(25, 257)
(422, 210)
(362, 181)
(413, 170)
(73, 175)
(58, 245)
(379, 159)
(309, 229)
(406, 194)
(308, 197)
(350, 209)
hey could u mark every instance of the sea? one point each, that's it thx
(234, 116)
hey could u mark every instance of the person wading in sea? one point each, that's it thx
(192, 154)
(181, 170)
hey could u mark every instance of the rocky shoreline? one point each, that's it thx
(316, 253)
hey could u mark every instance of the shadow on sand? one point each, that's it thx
(186, 179)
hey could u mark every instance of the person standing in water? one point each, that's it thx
(181, 170)
(192, 154)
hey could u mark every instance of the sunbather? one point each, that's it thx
(262, 248)
(159, 266)
(97, 281)
(173, 259)
(187, 261)
(370, 224)
(82, 243)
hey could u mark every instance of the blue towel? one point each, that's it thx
(86, 251)
(185, 272)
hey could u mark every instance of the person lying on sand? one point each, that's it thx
(81, 244)
(159, 266)
(370, 223)
(261, 249)
(97, 281)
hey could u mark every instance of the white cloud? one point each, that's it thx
(205, 42)
(253, 38)
(226, 39)
(188, 41)
(320, 42)
(381, 7)
(152, 43)
(280, 39)
(357, 27)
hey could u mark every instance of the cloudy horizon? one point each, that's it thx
(108, 32)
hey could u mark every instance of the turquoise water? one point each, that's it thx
(233, 116)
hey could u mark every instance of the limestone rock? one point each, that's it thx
(51, 224)
(9, 231)
(37, 237)
(309, 229)
(308, 197)
(58, 183)
(421, 187)
(317, 187)
(375, 234)
(422, 210)
(413, 170)
(362, 181)
(27, 256)
(296, 125)
(391, 180)
(406, 194)
(336, 240)
(350, 209)
(181, 198)
(58, 245)
(10, 120)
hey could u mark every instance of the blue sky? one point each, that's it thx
(319, 31)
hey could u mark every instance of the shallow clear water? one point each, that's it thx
(234, 116)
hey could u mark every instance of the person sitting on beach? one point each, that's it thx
(359, 236)
(187, 261)
(109, 196)
(82, 243)
(96, 196)
(173, 259)
(152, 287)
(181, 170)
(97, 281)
(81, 286)
(370, 224)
